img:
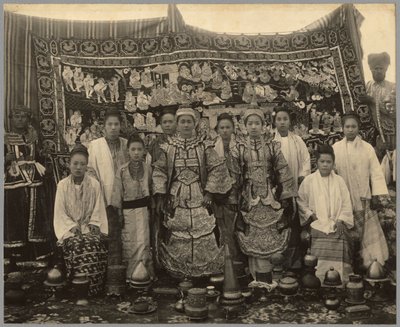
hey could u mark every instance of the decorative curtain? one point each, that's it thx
(69, 72)
(20, 67)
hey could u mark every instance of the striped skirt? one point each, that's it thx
(332, 250)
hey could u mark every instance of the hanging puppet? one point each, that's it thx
(67, 75)
(88, 84)
(78, 79)
(99, 88)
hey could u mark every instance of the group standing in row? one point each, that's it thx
(189, 196)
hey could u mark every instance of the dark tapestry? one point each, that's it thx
(316, 73)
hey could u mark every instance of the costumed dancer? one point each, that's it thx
(268, 189)
(358, 164)
(325, 206)
(106, 154)
(80, 220)
(168, 126)
(296, 154)
(131, 195)
(185, 176)
(27, 221)
(226, 207)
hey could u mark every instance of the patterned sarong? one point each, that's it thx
(86, 254)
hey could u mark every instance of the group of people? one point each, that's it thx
(178, 204)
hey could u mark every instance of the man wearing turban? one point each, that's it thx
(381, 100)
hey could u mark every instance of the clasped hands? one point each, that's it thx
(339, 225)
(95, 230)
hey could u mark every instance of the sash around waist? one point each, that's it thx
(134, 204)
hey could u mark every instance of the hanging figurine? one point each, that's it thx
(138, 121)
(226, 91)
(88, 84)
(337, 123)
(70, 137)
(327, 121)
(114, 88)
(217, 80)
(126, 126)
(146, 78)
(76, 120)
(78, 79)
(142, 101)
(206, 72)
(134, 79)
(196, 72)
(248, 93)
(184, 72)
(315, 119)
(167, 99)
(242, 126)
(99, 88)
(153, 98)
(67, 75)
(150, 122)
(175, 93)
(130, 102)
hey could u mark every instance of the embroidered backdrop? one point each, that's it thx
(316, 71)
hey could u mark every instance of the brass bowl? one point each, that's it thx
(141, 305)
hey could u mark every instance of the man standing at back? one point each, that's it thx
(106, 154)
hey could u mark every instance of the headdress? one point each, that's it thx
(378, 59)
(186, 111)
(253, 109)
(22, 109)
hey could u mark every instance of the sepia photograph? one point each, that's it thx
(199, 163)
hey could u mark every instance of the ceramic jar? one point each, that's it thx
(355, 290)
(81, 287)
(212, 297)
(288, 286)
(196, 304)
(14, 297)
(332, 302)
(310, 260)
(309, 280)
(185, 285)
(14, 294)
